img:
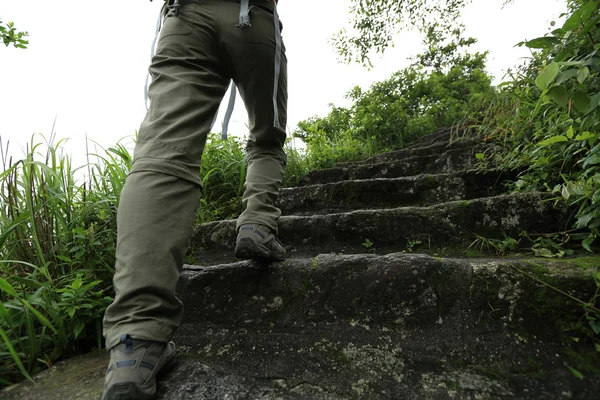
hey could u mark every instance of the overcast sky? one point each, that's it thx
(87, 61)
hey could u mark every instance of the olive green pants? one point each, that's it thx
(198, 53)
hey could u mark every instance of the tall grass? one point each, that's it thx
(57, 240)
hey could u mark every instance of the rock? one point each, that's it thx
(333, 323)
(381, 193)
(362, 326)
(447, 225)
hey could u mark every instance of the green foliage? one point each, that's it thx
(551, 246)
(57, 249)
(369, 246)
(374, 24)
(411, 244)
(497, 247)
(548, 114)
(222, 173)
(9, 35)
(325, 148)
(433, 93)
(297, 165)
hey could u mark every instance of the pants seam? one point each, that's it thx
(162, 144)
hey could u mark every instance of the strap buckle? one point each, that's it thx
(174, 9)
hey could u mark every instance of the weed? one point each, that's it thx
(496, 246)
(411, 243)
(57, 250)
(367, 244)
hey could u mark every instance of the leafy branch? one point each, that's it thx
(9, 35)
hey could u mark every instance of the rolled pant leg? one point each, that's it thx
(160, 199)
(252, 52)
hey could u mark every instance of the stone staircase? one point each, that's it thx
(377, 299)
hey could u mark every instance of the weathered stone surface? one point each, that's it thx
(380, 193)
(363, 327)
(367, 326)
(443, 135)
(450, 224)
(435, 148)
(77, 378)
(448, 162)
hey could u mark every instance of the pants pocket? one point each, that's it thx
(181, 24)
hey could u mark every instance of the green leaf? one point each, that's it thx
(584, 136)
(583, 74)
(565, 192)
(571, 64)
(479, 156)
(587, 9)
(7, 287)
(542, 161)
(14, 354)
(39, 316)
(78, 328)
(596, 197)
(594, 101)
(76, 283)
(542, 42)
(575, 372)
(560, 95)
(566, 75)
(552, 140)
(547, 75)
(572, 22)
(3, 311)
(595, 325)
(582, 102)
(587, 242)
(570, 132)
(592, 160)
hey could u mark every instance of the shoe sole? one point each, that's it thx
(127, 391)
(248, 250)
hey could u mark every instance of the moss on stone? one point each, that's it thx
(314, 263)
(451, 384)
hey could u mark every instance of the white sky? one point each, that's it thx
(87, 61)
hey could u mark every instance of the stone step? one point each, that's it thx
(443, 135)
(424, 189)
(474, 145)
(365, 327)
(447, 228)
(453, 160)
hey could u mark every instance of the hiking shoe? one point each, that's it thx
(256, 242)
(134, 365)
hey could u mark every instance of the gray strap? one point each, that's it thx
(212, 124)
(229, 111)
(278, 50)
(153, 51)
(244, 14)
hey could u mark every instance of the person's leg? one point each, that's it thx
(160, 199)
(253, 53)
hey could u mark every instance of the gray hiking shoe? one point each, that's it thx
(257, 242)
(134, 365)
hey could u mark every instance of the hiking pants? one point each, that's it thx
(198, 53)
